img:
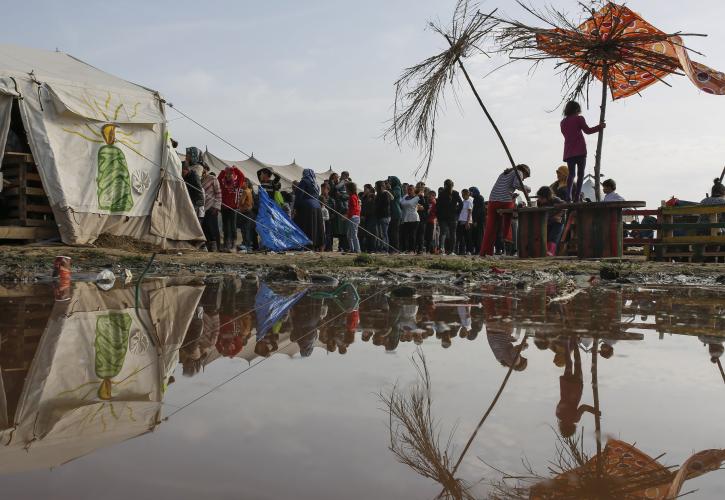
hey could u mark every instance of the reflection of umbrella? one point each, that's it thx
(627, 472)
(614, 45)
(271, 308)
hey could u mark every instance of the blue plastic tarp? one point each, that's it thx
(271, 308)
(276, 231)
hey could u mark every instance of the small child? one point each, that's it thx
(610, 187)
(555, 225)
(575, 147)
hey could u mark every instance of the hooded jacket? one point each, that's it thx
(307, 191)
(397, 191)
(230, 180)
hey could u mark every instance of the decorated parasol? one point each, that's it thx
(614, 45)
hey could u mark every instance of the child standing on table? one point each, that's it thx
(575, 147)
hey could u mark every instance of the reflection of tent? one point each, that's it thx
(101, 147)
(96, 378)
(287, 173)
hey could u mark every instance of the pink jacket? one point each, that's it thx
(574, 143)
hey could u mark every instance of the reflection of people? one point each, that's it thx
(714, 346)
(503, 348)
(571, 386)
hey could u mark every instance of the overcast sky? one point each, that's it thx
(312, 80)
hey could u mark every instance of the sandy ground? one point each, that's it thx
(28, 263)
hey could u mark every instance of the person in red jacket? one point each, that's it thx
(231, 180)
(353, 217)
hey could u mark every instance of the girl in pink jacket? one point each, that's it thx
(575, 147)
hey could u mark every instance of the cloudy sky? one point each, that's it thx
(312, 80)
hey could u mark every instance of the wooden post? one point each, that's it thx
(600, 137)
(490, 119)
(598, 413)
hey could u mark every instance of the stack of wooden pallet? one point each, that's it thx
(27, 213)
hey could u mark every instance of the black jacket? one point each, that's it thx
(449, 206)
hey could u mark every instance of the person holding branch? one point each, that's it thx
(575, 147)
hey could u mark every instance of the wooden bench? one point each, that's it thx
(682, 235)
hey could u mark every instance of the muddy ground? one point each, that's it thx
(32, 263)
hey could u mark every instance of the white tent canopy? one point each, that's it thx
(101, 147)
(249, 167)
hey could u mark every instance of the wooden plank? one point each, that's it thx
(26, 157)
(28, 222)
(35, 191)
(694, 210)
(27, 233)
(692, 240)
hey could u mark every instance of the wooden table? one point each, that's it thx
(599, 228)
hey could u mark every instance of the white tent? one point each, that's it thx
(97, 377)
(101, 146)
(249, 167)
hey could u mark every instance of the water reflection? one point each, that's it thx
(82, 374)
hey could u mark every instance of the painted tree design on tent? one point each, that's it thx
(113, 178)
(112, 333)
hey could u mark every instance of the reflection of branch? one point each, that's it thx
(414, 438)
(491, 406)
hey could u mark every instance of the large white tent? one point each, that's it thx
(101, 146)
(249, 167)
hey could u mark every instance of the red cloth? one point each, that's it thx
(230, 181)
(432, 212)
(353, 206)
(494, 222)
(574, 143)
(352, 320)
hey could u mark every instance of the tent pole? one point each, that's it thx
(490, 119)
(600, 137)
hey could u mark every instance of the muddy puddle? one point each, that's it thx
(239, 389)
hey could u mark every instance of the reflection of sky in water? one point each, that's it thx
(312, 428)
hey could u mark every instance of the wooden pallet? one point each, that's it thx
(28, 215)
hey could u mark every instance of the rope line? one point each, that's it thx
(296, 187)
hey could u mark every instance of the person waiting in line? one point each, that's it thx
(409, 218)
(421, 191)
(610, 191)
(559, 187)
(230, 181)
(448, 207)
(431, 224)
(246, 214)
(270, 182)
(325, 202)
(353, 217)
(571, 387)
(195, 190)
(212, 206)
(502, 197)
(396, 212)
(575, 147)
(307, 211)
(555, 221)
(717, 197)
(478, 218)
(383, 199)
(368, 223)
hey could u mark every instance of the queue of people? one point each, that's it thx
(390, 216)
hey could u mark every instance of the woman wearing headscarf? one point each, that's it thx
(307, 209)
(479, 218)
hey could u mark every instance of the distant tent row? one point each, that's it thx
(287, 173)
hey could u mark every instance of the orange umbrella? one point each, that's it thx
(614, 45)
